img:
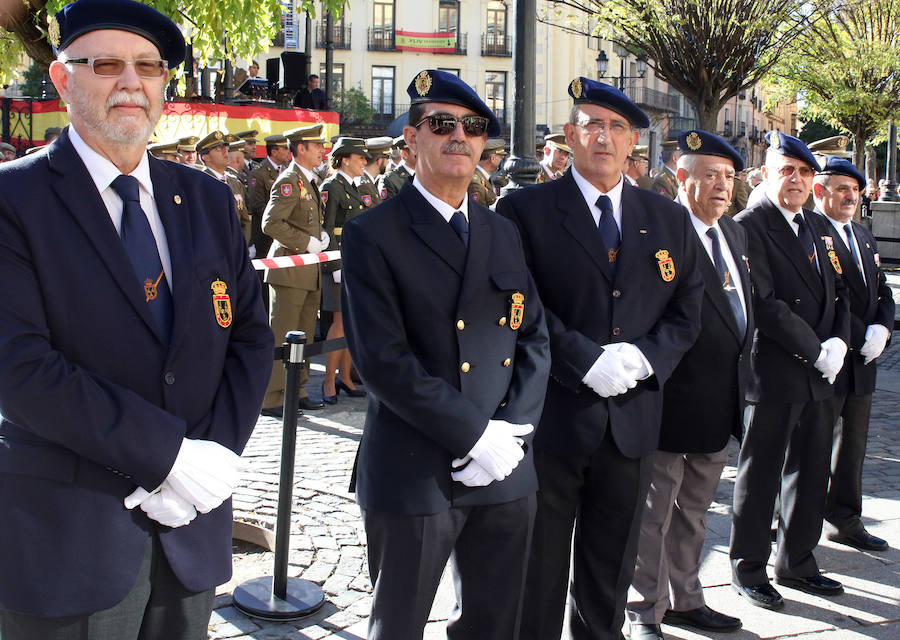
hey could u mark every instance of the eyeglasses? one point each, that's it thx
(443, 124)
(113, 67)
(610, 127)
(786, 171)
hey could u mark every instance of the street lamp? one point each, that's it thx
(603, 65)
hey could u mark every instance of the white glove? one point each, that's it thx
(315, 245)
(876, 338)
(632, 359)
(325, 239)
(163, 505)
(831, 358)
(251, 251)
(336, 276)
(205, 473)
(473, 475)
(608, 375)
(499, 449)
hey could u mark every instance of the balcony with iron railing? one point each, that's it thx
(742, 129)
(340, 36)
(462, 45)
(496, 44)
(728, 130)
(658, 100)
(677, 124)
(381, 39)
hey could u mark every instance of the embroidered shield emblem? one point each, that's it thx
(286, 190)
(324, 195)
(516, 310)
(666, 265)
(221, 303)
(367, 200)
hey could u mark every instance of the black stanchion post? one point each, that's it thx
(280, 597)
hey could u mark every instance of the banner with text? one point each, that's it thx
(441, 42)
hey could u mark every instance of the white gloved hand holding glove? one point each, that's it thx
(164, 506)
(315, 245)
(336, 276)
(608, 375)
(323, 236)
(831, 358)
(205, 473)
(876, 339)
(499, 449)
(471, 474)
(632, 359)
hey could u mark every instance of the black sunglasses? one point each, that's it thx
(443, 124)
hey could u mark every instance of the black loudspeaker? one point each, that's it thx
(273, 70)
(294, 64)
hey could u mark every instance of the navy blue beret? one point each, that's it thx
(81, 17)
(432, 85)
(587, 91)
(791, 147)
(700, 142)
(836, 166)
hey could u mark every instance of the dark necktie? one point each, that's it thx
(806, 240)
(608, 230)
(728, 284)
(460, 226)
(140, 245)
(849, 231)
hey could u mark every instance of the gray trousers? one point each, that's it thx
(673, 527)
(156, 608)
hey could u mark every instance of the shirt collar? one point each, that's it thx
(275, 166)
(346, 177)
(102, 171)
(484, 173)
(591, 193)
(309, 175)
(369, 176)
(216, 174)
(411, 172)
(788, 215)
(839, 226)
(442, 207)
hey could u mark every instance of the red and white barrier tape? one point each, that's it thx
(283, 262)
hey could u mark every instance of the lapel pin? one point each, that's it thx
(643, 231)
(177, 198)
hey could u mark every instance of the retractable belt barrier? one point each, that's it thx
(299, 260)
(279, 597)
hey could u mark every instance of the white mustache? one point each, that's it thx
(128, 99)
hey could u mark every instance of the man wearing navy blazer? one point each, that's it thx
(703, 404)
(617, 268)
(803, 322)
(836, 191)
(447, 330)
(134, 352)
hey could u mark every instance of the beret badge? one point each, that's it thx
(53, 31)
(774, 140)
(693, 141)
(423, 83)
(576, 88)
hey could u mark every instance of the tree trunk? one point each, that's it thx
(708, 116)
(871, 162)
(19, 19)
(859, 148)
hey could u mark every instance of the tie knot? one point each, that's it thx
(604, 204)
(712, 233)
(798, 219)
(127, 188)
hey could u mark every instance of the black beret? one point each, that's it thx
(432, 85)
(587, 91)
(699, 142)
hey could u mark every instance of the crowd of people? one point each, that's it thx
(552, 382)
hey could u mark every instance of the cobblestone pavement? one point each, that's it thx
(328, 540)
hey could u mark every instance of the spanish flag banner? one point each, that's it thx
(441, 42)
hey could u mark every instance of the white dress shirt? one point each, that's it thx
(442, 207)
(103, 172)
(590, 193)
(789, 216)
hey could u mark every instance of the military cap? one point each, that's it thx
(495, 145)
(31, 150)
(432, 85)
(81, 17)
(835, 166)
(276, 140)
(237, 145)
(703, 143)
(214, 139)
(669, 144)
(792, 148)
(161, 148)
(5, 146)
(52, 131)
(379, 146)
(188, 143)
(399, 143)
(833, 143)
(639, 152)
(557, 141)
(346, 146)
(587, 91)
(310, 133)
(249, 135)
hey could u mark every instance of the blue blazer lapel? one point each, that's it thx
(636, 232)
(740, 259)
(479, 250)
(786, 240)
(433, 229)
(578, 221)
(76, 190)
(173, 211)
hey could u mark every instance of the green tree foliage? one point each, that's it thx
(709, 50)
(845, 67)
(354, 107)
(245, 26)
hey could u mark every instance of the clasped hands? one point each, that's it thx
(494, 456)
(317, 245)
(203, 476)
(618, 369)
(831, 358)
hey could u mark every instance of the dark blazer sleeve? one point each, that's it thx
(374, 326)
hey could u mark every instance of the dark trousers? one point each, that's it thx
(786, 448)
(602, 496)
(843, 507)
(487, 547)
(157, 607)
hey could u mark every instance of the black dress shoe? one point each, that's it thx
(645, 632)
(862, 540)
(353, 393)
(760, 595)
(329, 399)
(702, 618)
(816, 584)
(309, 404)
(273, 412)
